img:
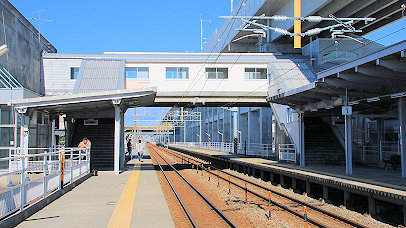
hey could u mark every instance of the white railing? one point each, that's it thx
(256, 149)
(35, 173)
(389, 148)
(373, 154)
(370, 154)
(216, 146)
(287, 152)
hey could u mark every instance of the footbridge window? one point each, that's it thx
(290, 115)
(74, 72)
(137, 72)
(255, 73)
(177, 73)
(216, 73)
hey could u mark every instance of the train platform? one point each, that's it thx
(375, 176)
(132, 199)
(373, 183)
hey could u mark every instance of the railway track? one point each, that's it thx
(316, 215)
(198, 209)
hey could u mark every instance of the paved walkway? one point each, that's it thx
(132, 199)
(389, 180)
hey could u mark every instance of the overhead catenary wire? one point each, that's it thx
(239, 56)
(197, 78)
(305, 60)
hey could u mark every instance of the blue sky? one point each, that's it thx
(91, 26)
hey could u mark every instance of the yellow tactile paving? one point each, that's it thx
(257, 161)
(122, 214)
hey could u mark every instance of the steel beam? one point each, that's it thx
(391, 64)
(354, 77)
(350, 85)
(382, 73)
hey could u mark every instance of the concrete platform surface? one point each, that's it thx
(132, 199)
(370, 177)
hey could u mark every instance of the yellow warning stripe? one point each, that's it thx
(122, 214)
(248, 159)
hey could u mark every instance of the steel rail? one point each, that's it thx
(174, 191)
(337, 217)
(218, 211)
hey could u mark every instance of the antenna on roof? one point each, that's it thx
(40, 21)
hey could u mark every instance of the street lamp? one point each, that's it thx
(239, 132)
(208, 145)
(221, 135)
(208, 136)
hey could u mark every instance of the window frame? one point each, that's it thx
(72, 73)
(289, 115)
(177, 75)
(137, 72)
(206, 72)
(255, 72)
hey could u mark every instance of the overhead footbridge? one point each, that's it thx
(183, 79)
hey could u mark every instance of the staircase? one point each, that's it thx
(321, 144)
(102, 138)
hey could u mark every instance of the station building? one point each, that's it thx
(260, 71)
(299, 102)
(21, 76)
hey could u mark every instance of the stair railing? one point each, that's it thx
(281, 125)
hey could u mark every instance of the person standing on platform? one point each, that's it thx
(140, 149)
(129, 149)
(85, 144)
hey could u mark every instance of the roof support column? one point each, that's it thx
(402, 121)
(122, 145)
(249, 116)
(117, 135)
(348, 145)
(301, 140)
(234, 114)
(53, 136)
(25, 122)
(379, 124)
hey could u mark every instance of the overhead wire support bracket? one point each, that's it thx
(347, 24)
(315, 19)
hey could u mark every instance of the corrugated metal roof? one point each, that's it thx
(100, 75)
(287, 75)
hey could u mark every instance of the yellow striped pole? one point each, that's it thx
(297, 23)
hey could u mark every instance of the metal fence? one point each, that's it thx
(373, 154)
(287, 152)
(35, 173)
(256, 149)
(389, 148)
(370, 154)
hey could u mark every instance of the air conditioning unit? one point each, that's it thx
(91, 122)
